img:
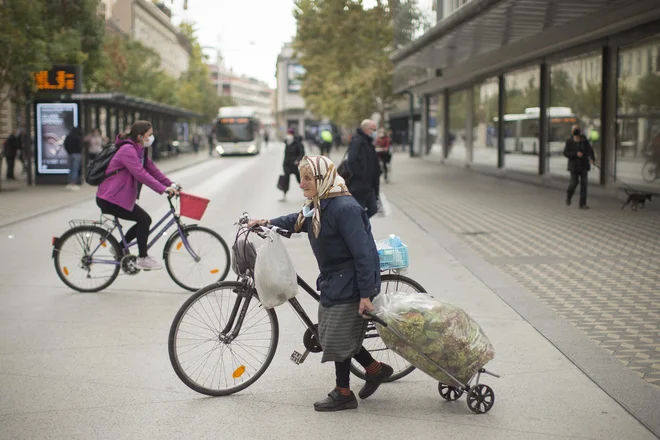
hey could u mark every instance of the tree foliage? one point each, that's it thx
(344, 49)
(35, 34)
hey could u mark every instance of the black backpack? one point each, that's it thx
(96, 170)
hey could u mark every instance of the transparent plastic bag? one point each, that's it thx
(440, 330)
(274, 274)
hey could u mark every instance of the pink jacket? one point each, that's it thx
(122, 188)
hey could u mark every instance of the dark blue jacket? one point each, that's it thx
(345, 251)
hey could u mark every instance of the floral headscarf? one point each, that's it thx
(329, 184)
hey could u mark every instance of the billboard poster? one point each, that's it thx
(54, 122)
(295, 73)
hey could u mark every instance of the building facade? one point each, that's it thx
(245, 91)
(149, 24)
(501, 82)
(291, 111)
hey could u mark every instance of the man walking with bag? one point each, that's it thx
(580, 157)
(363, 164)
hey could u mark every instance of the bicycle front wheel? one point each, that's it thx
(87, 258)
(650, 172)
(389, 284)
(205, 353)
(198, 259)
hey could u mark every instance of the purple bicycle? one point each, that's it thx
(89, 258)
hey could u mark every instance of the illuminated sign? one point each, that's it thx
(234, 120)
(560, 120)
(54, 123)
(59, 79)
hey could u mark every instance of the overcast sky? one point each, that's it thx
(250, 33)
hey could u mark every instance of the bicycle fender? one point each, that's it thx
(56, 245)
(173, 237)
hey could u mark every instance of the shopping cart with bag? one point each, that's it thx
(439, 339)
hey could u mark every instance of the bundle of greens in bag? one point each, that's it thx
(442, 331)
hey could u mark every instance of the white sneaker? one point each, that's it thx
(148, 263)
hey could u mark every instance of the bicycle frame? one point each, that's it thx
(173, 219)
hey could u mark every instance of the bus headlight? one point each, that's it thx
(219, 149)
(252, 148)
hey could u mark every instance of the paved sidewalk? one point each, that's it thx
(596, 269)
(96, 366)
(19, 201)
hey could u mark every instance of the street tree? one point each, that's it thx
(35, 34)
(344, 49)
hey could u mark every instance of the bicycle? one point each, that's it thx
(103, 257)
(244, 321)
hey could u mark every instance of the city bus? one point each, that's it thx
(521, 131)
(237, 130)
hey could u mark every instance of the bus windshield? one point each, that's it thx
(234, 130)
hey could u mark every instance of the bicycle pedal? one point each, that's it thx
(298, 358)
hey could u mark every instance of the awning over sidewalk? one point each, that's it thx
(132, 102)
(489, 34)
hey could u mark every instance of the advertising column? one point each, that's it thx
(54, 121)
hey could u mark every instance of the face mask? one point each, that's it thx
(374, 135)
(150, 140)
(576, 132)
(307, 212)
(289, 138)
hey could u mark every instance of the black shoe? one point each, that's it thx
(373, 381)
(568, 201)
(336, 402)
(584, 207)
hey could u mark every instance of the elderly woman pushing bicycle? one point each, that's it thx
(340, 235)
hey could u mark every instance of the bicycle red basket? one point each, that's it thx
(192, 206)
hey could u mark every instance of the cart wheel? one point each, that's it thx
(449, 393)
(480, 399)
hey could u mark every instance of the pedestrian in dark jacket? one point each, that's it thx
(10, 151)
(73, 144)
(580, 157)
(340, 235)
(294, 151)
(362, 162)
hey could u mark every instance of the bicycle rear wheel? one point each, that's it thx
(201, 349)
(390, 283)
(87, 258)
(650, 171)
(211, 266)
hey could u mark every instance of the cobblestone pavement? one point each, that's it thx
(599, 269)
(19, 201)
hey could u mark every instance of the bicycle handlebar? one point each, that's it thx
(374, 318)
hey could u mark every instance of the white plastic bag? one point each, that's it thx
(384, 209)
(274, 274)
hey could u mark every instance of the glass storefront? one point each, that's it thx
(434, 134)
(638, 114)
(521, 120)
(575, 98)
(458, 108)
(484, 126)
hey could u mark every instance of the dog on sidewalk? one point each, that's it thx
(637, 198)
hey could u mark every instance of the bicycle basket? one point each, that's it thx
(393, 257)
(192, 206)
(245, 254)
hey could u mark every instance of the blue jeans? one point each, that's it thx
(75, 160)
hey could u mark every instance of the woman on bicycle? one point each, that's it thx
(129, 168)
(340, 235)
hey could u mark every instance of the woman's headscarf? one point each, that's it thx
(329, 184)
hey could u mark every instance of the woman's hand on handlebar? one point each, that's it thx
(171, 192)
(258, 222)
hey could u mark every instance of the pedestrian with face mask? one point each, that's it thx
(128, 170)
(294, 151)
(580, 157)
(362, 162)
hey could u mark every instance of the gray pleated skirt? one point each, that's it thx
(341, 331)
